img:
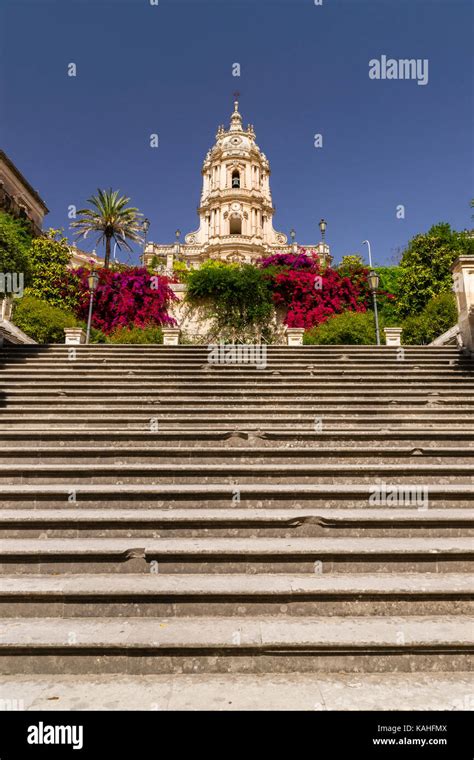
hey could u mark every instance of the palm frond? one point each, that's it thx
(111, 218)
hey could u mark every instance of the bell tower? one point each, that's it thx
(235, 208)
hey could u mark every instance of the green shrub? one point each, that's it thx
(352, 328)
(181, 271)
(96, 336)
(150, 334)
(426, 267)
(238, 298)
(50, 256)
(40, 320)
(389, 279)
(15, 241)
(439, 314)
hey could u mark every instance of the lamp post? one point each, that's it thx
(293, 236)
(145, 228)
(92, 281)
(366, 242)
(322, 226)
(178, 247)
(374, 280)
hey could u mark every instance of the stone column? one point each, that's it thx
(463, 275)
(169, 261)
(6, 307)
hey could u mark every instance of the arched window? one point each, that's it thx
(236, 178)
(235, 226)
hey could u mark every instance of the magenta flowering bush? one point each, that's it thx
(292, 260)
(308, 293)
(129, 297)
(311, 297)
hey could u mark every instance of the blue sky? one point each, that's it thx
(167, 69)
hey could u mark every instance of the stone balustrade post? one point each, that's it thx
(393, 336)
(171, 336)
(463, 276)
(295, 336)
(74, 336)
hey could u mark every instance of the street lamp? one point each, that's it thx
(145, 227)
(178, 235)
(374, 281)
(322, 227)
(92, 281)
(294, 246)
(366, 242)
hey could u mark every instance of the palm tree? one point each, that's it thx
(112, 219)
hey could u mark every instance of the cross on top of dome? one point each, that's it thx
(236, 118)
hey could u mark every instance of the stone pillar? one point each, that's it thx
(74, 336)
(171, 336)
(295, 336)
(169, 261)
(393, 336)
(7, 307)
(463, 275)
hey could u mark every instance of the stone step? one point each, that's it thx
(443, 419)
(304, 576)
(444, 455)
(233, 517)
(183, 353)
(69, 522)
(324, 383)
(238, 644)
(154, 595)
(291, 400)
(234, 547)
(235, 555)
(203, 350)
(244, 407)
(45, 437)
(383, 367)
(218, 495)
(258, 691)
(236, 473)
(370, 386)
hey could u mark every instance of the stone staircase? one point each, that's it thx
(163, 516)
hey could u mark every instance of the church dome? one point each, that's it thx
(236, 142)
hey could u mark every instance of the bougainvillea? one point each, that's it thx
(130, 297)
(291, 260)
(309, 293)
(310, 297)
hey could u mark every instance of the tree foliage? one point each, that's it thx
(238, 298)
(110, 218)
(426, 266)
(15, 241)
(350, 328)
(49, 257)
(439, 314)
(41, 320)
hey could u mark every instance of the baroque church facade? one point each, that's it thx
(235, 210)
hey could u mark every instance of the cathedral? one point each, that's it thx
(235, 209)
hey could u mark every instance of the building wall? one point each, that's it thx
(18, 198)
